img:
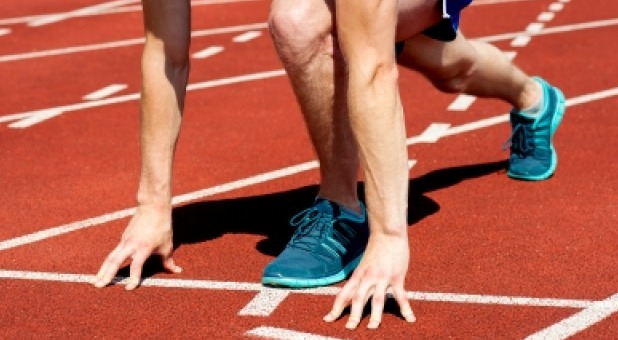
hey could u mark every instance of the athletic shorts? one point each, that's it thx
(446, 29)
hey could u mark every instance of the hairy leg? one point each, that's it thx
(302, 34)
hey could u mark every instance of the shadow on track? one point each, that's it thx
(269, 214)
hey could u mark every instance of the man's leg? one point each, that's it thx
(469, 67)
(302, 34)
(482, 70)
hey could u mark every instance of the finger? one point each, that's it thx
(105, 264)
(361, 296)
(137, 264)
(377, 305)
(341, 301)
(171, 266)
(112, 265)
(404, 304)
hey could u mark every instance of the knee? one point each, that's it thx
(300, 27)
(454, 77)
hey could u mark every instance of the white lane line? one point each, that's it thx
(248, 36)
(4, 31)
(113, 10)
(36, 117)
(208, 52)
(551, 30)
(136, 96)
(521, 41)
(411, 163)
(433, 133)
(556, 7)
(138, 41)
(462, 103)
(546, 16)
(102, 219)
(95, 221)
(535, 27)
(323, 291)
(510, 55)
(499, 300)
(285, 334)
(50, 19)
(123, 43)
(105, 92)
(17, 116)
(580, 321)
(265, 302)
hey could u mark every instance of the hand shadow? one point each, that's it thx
(269, 214)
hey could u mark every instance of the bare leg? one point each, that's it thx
(302, 35)
(471, 67)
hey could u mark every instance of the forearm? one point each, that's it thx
(165, 69)
(366, 39)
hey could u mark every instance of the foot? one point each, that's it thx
(326, 247)
(533, 156)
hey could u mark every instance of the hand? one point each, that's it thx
(149, 232)
(383, 268)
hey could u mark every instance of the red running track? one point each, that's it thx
(492, 258)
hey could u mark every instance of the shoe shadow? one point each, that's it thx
(269, 214)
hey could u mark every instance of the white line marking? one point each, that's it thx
(592, 97)
(17, 116)
(535, 27)
(36, 117)
(136, 96)
(411, 163)
(565, 1)
(433, 132)
(556, 7)
(50, 19)
(246, 36)
(462, 103)
(105, 92)
(265, 302)
(499, 300)
(67, 228)
(323, 291)
(521, 41)
(123, 43)
(510, 55)
(4, 31)
(580, 321)
(285, 334)
(546, 16)
(137, 41)
(208, 52)
(114, 10)
(552, 30)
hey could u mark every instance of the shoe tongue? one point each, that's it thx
(323, 205)
(526, 117)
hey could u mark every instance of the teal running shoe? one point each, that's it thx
(326, 247)
(533, 156)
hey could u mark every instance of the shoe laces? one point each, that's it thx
(521, 140)
(311, 225)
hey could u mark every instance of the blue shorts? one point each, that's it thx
(446, 29)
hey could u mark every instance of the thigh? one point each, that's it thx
(430, 56)
(415, 16)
